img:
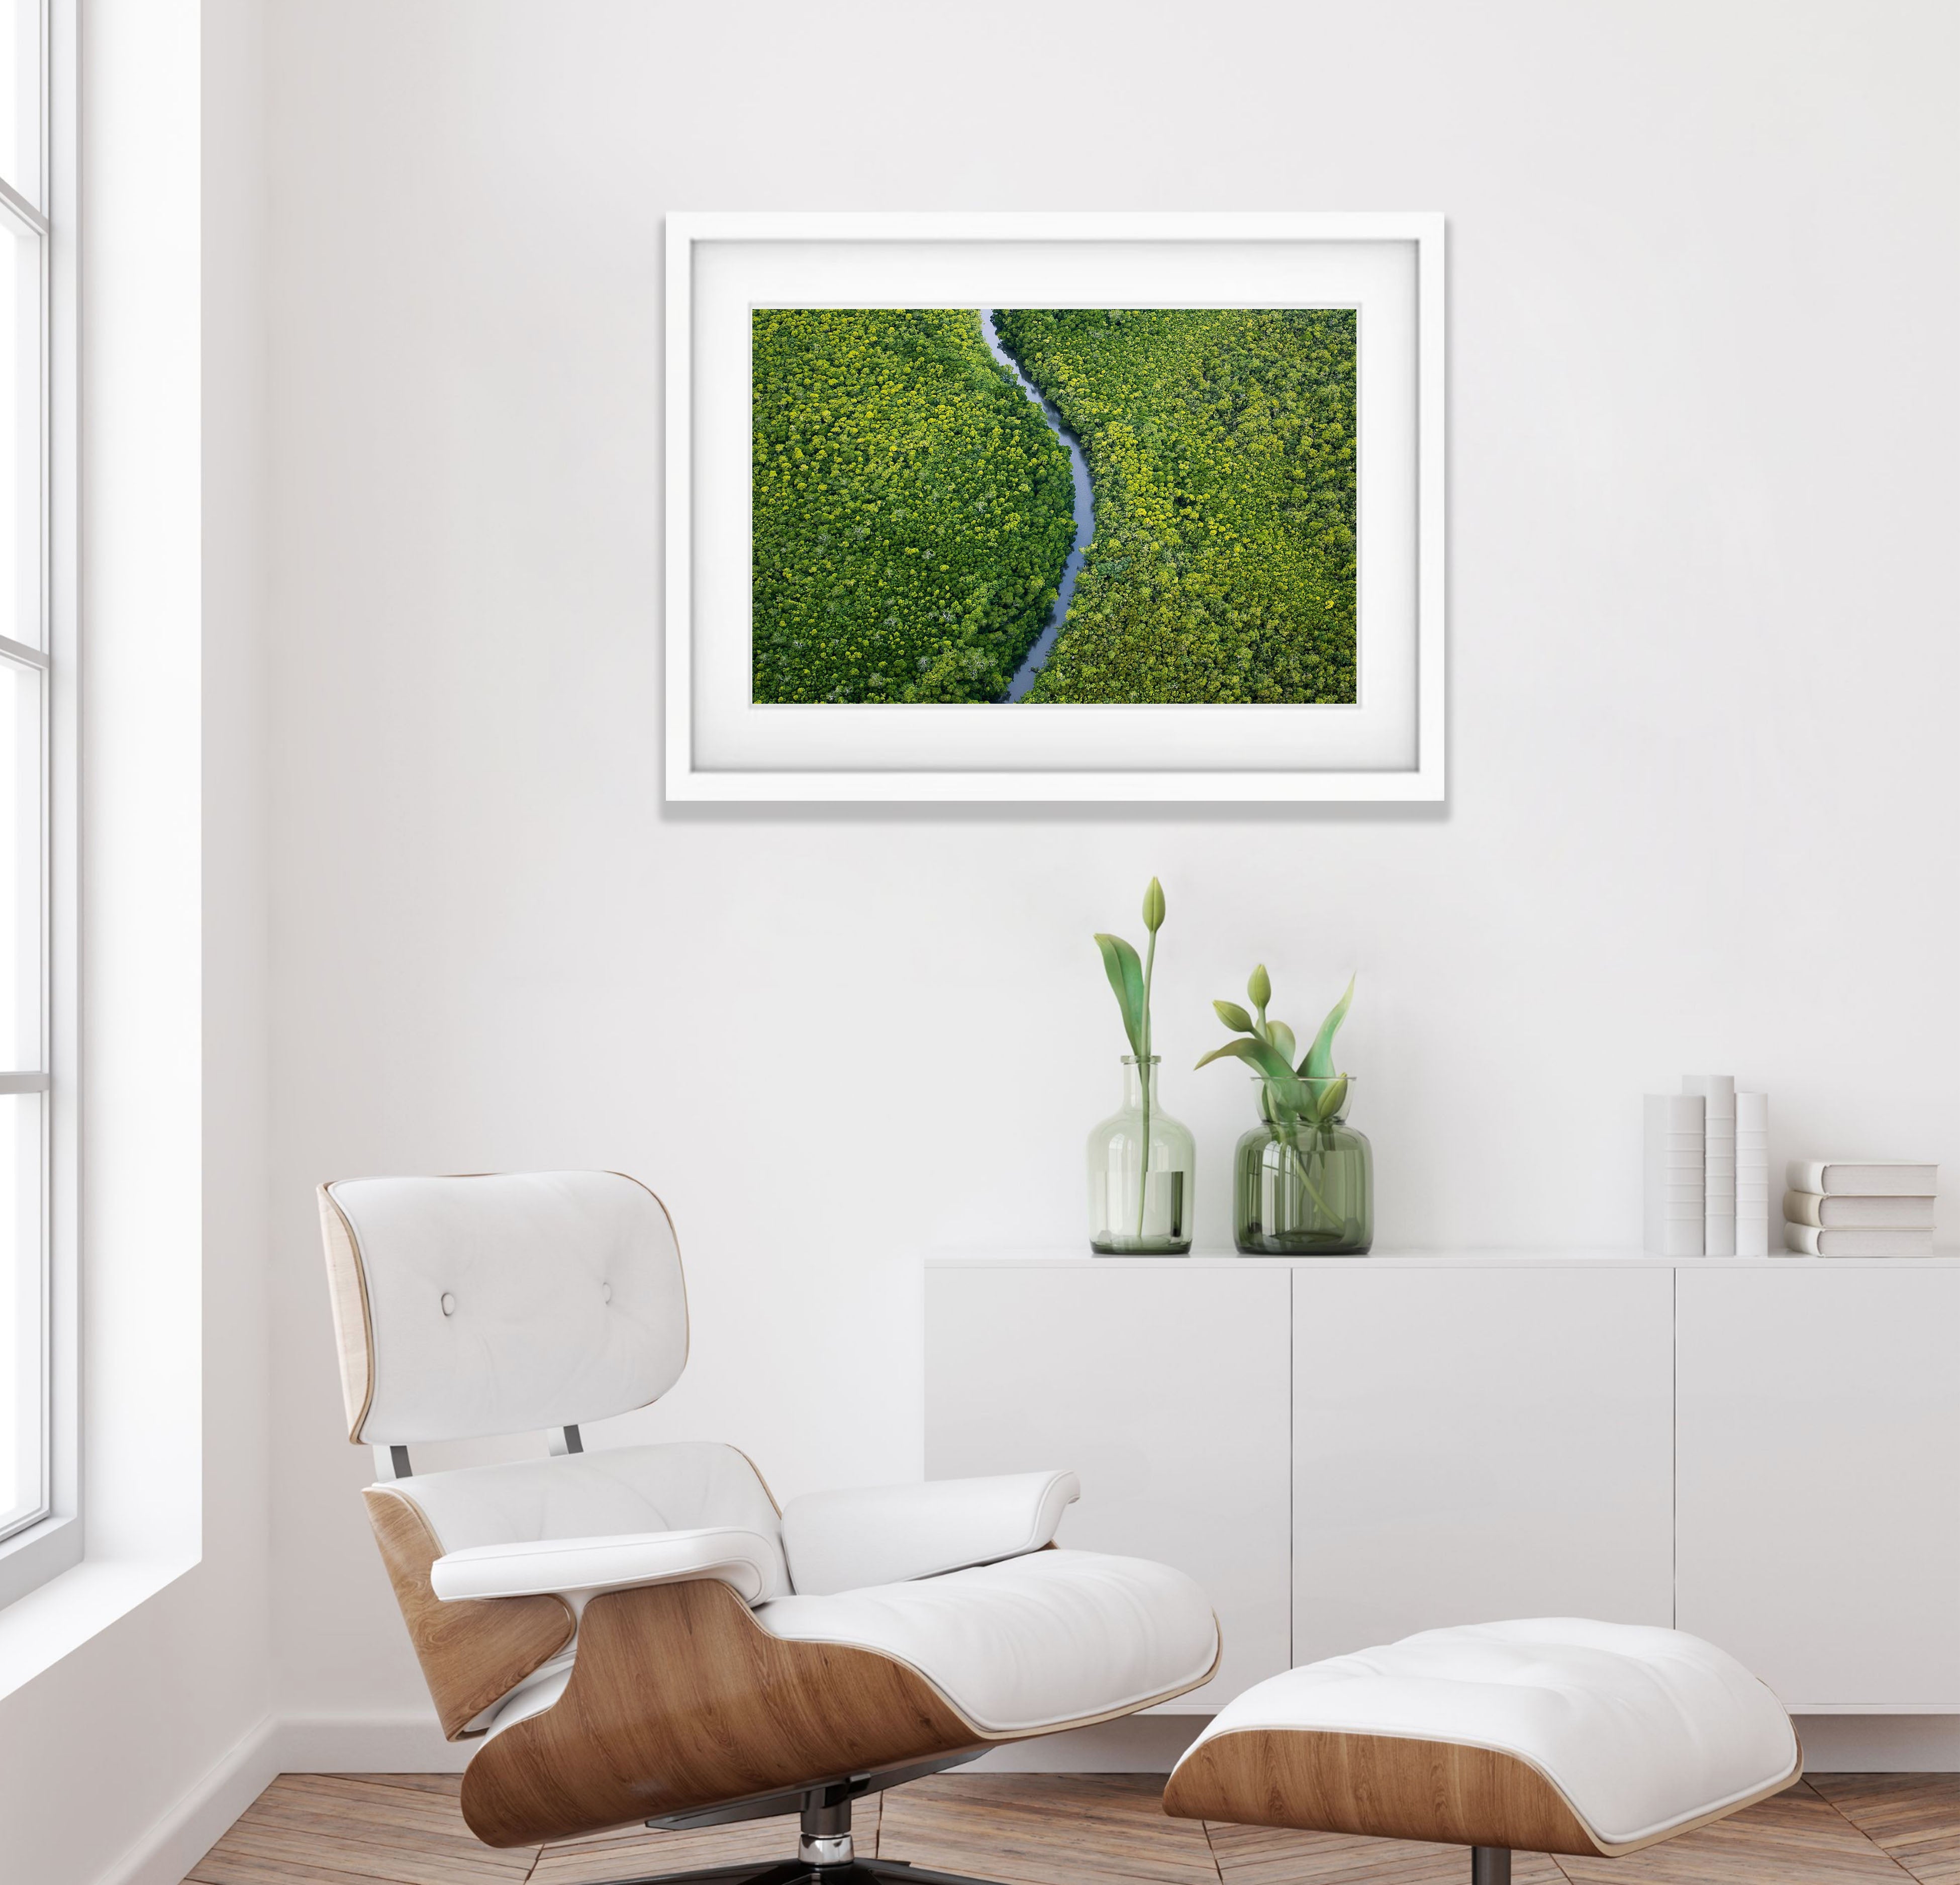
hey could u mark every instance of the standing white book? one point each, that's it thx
(1718, 1094)
(1866, 1177)
(1752, 1174)
(1673, 1192)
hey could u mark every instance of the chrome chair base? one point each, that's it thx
(796, 1872)
(824, 1854)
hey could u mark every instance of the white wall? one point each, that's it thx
(1703, 671)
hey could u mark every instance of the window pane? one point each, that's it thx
(20, 97)
(21, 457)
(22, 1343)
(21, 872)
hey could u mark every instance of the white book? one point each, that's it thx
(1752, 1174)
(1717, 1094)
(1673, 1195)
(1869, 1177)
(1842, 1212)
(1810, 1239)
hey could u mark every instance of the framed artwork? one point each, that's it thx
(1040, 507)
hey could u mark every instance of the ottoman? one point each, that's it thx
(1550, 1735)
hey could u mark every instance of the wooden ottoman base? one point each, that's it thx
(1555, 1736)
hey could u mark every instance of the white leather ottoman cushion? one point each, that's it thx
(1643, 1731)
(1033, 1643)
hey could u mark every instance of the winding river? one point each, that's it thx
(1085, 514)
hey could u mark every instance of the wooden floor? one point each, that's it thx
(1073, 1830)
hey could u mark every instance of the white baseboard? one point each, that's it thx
(1880, 1743)
(1151, 1743)
(410, 1743)
(1138, 1744)
(406, 1743)
(199, 1819)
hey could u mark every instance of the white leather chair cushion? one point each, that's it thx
(625, 1492)
(513, 1302)
(546, 1567)
(1038, 1642)
(1642, 1730)
(885, 1534)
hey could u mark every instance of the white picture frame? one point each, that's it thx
(1389, 745)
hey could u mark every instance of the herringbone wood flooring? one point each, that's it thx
(1074, 1829)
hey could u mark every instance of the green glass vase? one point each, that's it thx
(1302, 1190)
(1141, 1206)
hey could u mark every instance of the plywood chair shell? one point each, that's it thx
(473, 1652)
(680, 1700)
(353, 1325)
(1380, 1786)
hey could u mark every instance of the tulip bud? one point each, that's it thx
(1153, 907)
(1233, 1016)
(1260, 988)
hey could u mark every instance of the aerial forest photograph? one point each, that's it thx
(1121, 506)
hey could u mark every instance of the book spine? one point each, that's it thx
(1717, 1092)
(1877, 1241)
(1802, 1207)
(1675, 1189)
(1752, 1174)
(1863, 1177)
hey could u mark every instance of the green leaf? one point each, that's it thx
(1125, 968)
(1234, 1050)
(1233, 1016)
(1328, 1095)
(1318, 1064)
(1254, 1053)
(1281, 1037)
(1153, 907)
(1260, 988)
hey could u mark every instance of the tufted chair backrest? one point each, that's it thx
(500, 1304)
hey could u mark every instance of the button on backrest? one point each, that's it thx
(448, 1304)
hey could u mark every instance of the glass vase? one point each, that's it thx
(1141, 1165)
(1303, 1189)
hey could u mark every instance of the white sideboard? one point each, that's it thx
(1341, 1451)
(1168, 1387)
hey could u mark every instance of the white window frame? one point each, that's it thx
(38, 1548)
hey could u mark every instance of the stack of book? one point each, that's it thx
(1866, 1208)
(1707, 1173)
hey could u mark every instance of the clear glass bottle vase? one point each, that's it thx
(1303, 1189)
(1140, 1205)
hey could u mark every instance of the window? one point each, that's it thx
(28, 1466)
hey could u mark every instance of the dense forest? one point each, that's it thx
(912, 511)
(1220, 443)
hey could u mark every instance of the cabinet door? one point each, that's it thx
(1820, 1478)
(1165, 1385)
(1473, 1443)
